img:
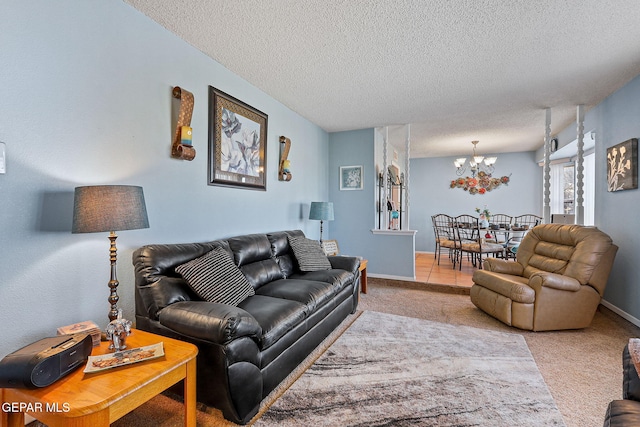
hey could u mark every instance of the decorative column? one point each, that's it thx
(385, 178)
(579, 197)
(407, 153)
(547, 167)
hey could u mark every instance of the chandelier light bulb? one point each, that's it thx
(490, 160)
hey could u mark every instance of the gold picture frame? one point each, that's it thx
(237, 143)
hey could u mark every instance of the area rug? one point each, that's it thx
(388, 370)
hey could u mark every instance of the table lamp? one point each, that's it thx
(322, 211)
(111, 208)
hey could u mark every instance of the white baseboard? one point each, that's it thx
(621, 313)
(391, 277)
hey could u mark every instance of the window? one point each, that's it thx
(568, 189)
(562, 188)
(563, 180)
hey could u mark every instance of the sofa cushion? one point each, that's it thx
(338, 278)
(310, 293)
(309, 254)
(276, 316)
(157, 283)
(215, 278)
(253, 255)
(622, 413)
(260, 272)
(282, 250)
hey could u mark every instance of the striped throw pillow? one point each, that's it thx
(215, 278)
(309, 254)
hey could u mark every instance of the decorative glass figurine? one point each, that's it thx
(117, 332)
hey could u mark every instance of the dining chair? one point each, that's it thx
(472, 240)
(527, 221)
(501, 220)
(443, 229)
(521, 225)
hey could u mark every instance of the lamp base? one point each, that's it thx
(113, 282)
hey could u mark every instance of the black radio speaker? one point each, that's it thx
(44, 362)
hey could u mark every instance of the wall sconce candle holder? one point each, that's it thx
(284, 171)
(182, 147)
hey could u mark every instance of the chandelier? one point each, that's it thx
(481, 169)
(476, 163)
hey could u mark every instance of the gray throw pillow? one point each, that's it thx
(309, 254)
(215, 278)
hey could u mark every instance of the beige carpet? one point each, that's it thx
(582, 369)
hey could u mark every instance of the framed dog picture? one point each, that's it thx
(237, 143)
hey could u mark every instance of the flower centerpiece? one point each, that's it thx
(485, 215)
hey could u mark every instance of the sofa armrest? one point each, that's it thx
(498, 265)
(552, 280)
(347, 263)
(217, 323)
(630, 379)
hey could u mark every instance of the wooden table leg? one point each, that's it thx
(190, 394)
(363, 281)
(363, 275)
(95, 419)
(13, 419)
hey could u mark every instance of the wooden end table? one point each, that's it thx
(363, 275)
(100, 398)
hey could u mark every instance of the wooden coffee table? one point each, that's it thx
(100, 398)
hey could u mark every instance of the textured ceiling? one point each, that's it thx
(456, 70)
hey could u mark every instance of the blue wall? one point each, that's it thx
(431, 194)
(616, 120)
(388, 255)
(86, 99)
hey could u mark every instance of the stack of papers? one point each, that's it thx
(88, 327)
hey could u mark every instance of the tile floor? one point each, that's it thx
(428, 270)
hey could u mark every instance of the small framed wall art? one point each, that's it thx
(351, 178)
(237, 143)
(622, 166)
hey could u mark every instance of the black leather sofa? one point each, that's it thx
(626, 412)
(245, 351)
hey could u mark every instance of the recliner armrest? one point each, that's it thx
(552, 280)
(503, 266)
(218, 323)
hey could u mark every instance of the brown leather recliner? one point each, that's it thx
(556, 281)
